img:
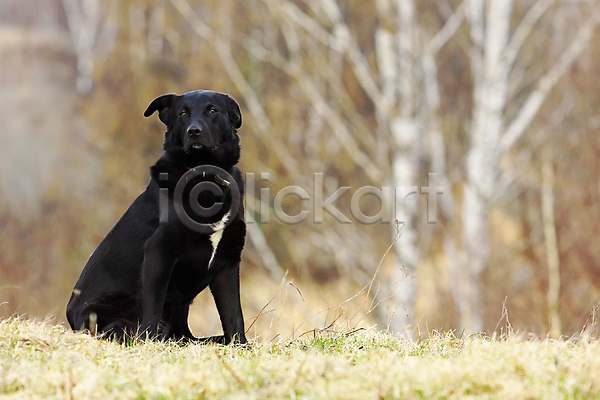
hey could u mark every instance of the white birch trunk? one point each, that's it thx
(93, 31)
(404, 170)
(490, 79)
(83, 19)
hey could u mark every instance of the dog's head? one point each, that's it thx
(202, 123)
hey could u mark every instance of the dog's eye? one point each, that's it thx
(183, 113)
(212, 111)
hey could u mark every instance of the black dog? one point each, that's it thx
(185, 232)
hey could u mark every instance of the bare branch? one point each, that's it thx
(311, 26)
(447, 31)
(267, 255)
(191, 16)
(523, 30)
(535, 100)
(223, 50)
(343, 41)
(320, 106)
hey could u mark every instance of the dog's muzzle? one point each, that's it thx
(198, 140)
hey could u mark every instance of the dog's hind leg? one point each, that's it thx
(160, 254)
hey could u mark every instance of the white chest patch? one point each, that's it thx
(216, 236)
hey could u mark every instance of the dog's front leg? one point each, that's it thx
(225, 289)
(159, 260)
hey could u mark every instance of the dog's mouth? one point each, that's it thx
(199, 146)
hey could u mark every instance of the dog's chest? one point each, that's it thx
(203, 248)
(217, 235)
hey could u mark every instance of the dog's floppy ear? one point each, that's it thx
(233, 110)
(162, 104)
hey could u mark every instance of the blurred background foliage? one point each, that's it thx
(499, 98)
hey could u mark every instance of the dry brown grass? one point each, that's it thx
(43, 360)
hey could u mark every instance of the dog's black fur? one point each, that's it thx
(146, 272)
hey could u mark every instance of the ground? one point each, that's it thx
(43, 360)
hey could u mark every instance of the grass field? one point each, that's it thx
(43, 360)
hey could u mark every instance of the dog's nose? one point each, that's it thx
(194, 131)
